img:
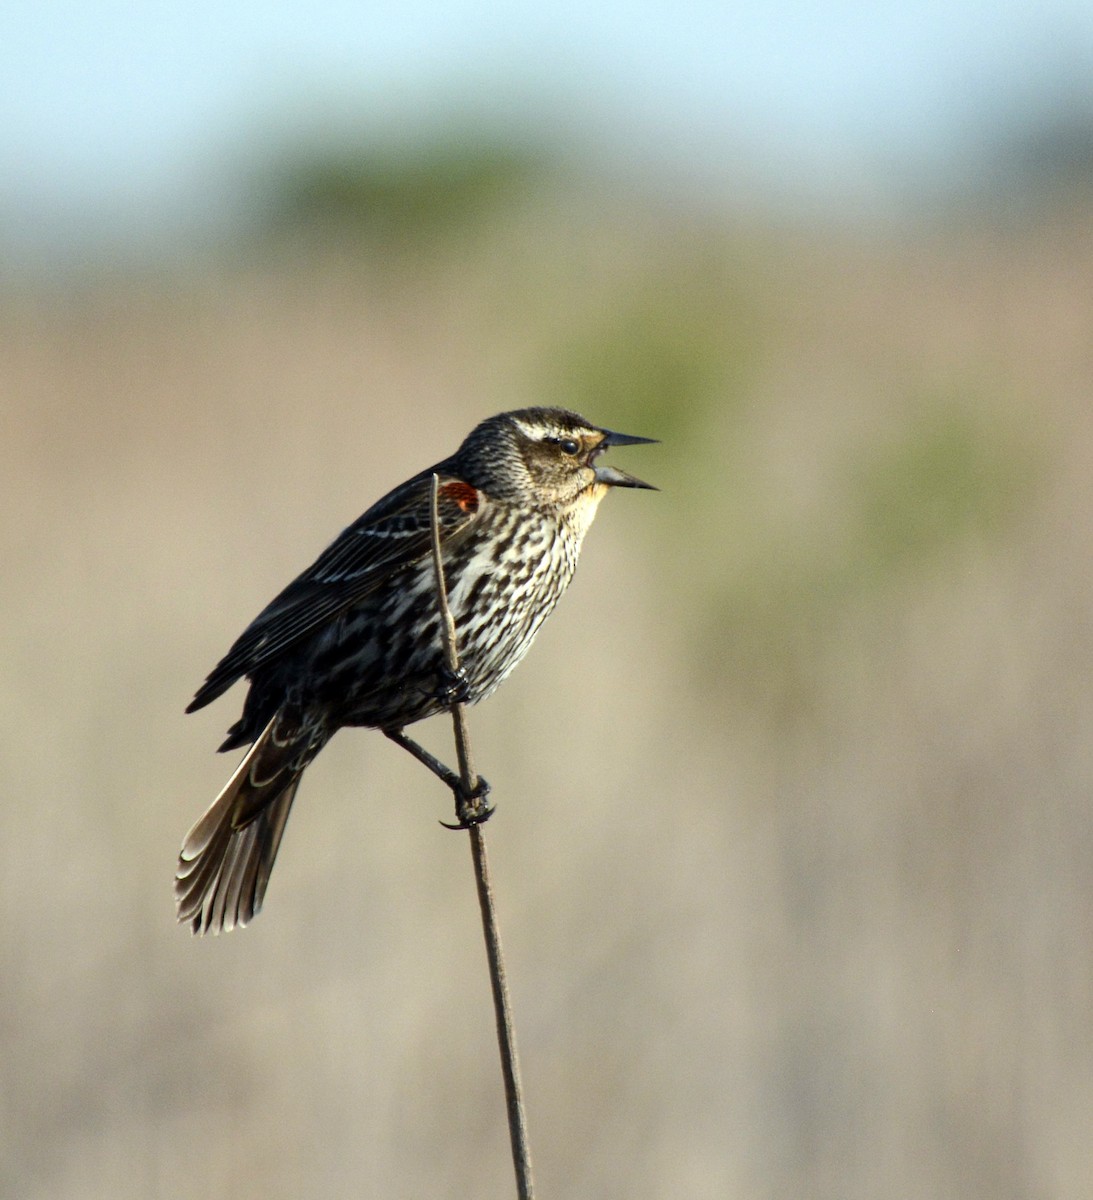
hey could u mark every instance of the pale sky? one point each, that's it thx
(118, 109)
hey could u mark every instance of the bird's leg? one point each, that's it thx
(423, 756)
(470, 806)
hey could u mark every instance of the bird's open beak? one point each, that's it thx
(612, 476)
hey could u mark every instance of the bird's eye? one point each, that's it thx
(567, 445)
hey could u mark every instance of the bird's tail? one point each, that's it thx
(227, 856)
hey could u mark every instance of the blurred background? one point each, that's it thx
(793, 852)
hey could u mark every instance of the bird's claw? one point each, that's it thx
(453, 687)
(470, 807)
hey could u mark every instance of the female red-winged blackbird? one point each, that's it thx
(355, 639)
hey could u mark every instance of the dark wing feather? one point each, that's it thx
(394, 533)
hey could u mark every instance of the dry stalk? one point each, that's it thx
(467, 809)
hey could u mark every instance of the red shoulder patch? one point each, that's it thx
(461, 494)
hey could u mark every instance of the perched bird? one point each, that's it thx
(355, 639)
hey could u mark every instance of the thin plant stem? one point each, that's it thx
(466, 811)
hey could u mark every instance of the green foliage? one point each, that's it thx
(945, 478)
(642, 360)
(662, 358)
(949, 481)
(404, 195)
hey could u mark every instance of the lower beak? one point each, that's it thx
(613, 477)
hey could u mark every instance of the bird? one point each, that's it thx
(355, 640)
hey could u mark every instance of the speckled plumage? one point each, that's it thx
(354, 640)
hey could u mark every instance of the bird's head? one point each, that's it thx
(546, 456)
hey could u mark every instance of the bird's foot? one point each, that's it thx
(471, 807)
(453, 687)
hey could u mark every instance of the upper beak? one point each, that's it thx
(610, 438)
(612, 476)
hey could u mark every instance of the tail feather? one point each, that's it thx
(227, 856)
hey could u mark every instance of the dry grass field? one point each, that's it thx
(794, 850)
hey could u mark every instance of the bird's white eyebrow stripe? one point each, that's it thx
(528, 430)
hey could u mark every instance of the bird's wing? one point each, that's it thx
(394, 533)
